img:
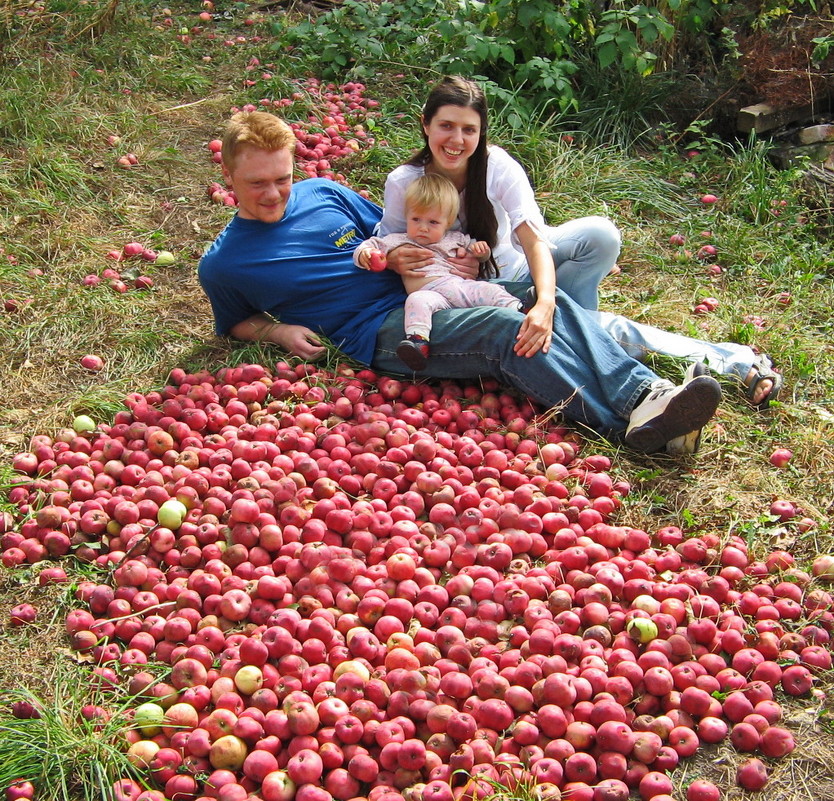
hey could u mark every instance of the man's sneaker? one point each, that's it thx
(669, 412)
(689, 443)
(414, 351)
(694, 370)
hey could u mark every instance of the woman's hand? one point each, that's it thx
(407, 259)
(536, 330)
(465, 264)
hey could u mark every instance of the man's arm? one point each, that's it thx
(295, 339)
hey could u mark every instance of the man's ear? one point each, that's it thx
(227, 176)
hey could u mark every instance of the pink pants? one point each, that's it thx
(451, 292)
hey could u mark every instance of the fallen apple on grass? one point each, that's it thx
(92, 362)
(781, 457)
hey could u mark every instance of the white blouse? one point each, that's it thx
(511, 195)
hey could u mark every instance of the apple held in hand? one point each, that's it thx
(377, 261)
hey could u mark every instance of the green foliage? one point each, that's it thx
(357, 36)
(527, 43)
(624, 30)
(822, 48)
(535, 48)
(618, 106)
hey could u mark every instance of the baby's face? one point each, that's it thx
(426, 226)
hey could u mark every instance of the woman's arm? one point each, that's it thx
(295, 339)
(537, 328)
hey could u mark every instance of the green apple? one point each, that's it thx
(83, 424)
(171, 514)
(248, 679)
(148, 718)
(164, 258)
(352, 666)
(642, 629)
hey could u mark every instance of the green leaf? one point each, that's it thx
(607, 54)
(626, 40)
(481, 49)
(648, 30)
(507, 53)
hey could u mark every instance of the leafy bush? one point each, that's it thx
(535, 48)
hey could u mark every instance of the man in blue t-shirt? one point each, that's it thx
(282, 271)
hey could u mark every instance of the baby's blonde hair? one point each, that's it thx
(433, 191)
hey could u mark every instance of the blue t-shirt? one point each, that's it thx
(300, 269)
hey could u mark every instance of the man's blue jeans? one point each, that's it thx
(585, 374)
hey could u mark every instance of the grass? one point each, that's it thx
(65, 752)
(66, 203)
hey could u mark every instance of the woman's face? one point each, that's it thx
(453, 134)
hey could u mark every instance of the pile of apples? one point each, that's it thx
(336, 127)
(368, 588)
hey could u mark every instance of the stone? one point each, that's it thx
(785, 157)
(816, 133)
(762, 117)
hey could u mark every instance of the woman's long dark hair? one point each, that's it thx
(481, 222)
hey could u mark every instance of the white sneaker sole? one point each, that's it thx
(686, 412)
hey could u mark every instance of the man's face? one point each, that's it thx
(262, 182)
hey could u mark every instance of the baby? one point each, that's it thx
(431, 207)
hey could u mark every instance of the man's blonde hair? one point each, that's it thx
(433, 191)
(259, 129)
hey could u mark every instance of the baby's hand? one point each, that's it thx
(377, 261)
(479, 249)
(371, 259)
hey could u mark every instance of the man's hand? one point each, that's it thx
(295, 339)
(300, 341)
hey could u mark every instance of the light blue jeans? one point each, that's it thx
(585, 374)
(584, 251)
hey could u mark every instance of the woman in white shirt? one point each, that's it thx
(498, 206)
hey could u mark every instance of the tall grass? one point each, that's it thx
(68, 750)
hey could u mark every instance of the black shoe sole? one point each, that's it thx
(410, 354)
(689, 410)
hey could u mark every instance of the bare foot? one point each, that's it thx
(763, 388)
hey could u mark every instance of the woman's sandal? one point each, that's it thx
(764, 372)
